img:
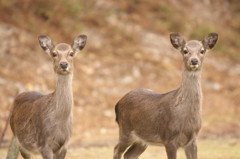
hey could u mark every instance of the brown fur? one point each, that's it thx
(171, 119)
(42, 123)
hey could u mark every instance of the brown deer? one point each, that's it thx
(42, 123)
(172, 119)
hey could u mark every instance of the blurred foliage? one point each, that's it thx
(68, 17)
(201, 31)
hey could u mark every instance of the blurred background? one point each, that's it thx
(128, 47)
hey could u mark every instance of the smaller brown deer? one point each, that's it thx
(42, 123)
(172, 119)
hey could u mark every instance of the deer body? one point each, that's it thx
(172, 119)
(176, 114)
(42, 123)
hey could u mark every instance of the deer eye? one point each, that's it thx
(54, 54)
(185, 51)
(202, 51)
(71, 54)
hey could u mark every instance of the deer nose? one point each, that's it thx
(194, 61)
(63, 65)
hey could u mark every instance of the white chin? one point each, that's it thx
(64, 71)
(194, 67)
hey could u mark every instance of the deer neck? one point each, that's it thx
(63, 96)
(190, 91)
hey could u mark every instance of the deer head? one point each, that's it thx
(193, 51)
(62, 53)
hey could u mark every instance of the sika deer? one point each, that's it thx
(172, 119)
(42, 123)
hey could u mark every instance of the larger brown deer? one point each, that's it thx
(171, 119)
(42, 123)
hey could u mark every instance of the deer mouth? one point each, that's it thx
(194, 67)
(64, 71)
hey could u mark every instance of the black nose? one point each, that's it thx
(194, 61)
(63, 65)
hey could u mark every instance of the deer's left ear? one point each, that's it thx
(210, 40)
(79, 43)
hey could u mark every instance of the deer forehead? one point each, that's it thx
(62, 48)
(194, 45)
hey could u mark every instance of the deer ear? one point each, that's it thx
(79, 43)
(210, 40)
(177, 41)
(46, 43)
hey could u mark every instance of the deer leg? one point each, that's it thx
(171, 150)
(120, 148)
(135, 151)
(47, 153)
(24, 153)
(61, 154)
(191, 150)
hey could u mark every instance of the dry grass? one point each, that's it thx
(212, 149)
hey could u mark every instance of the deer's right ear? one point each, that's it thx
(46, 43)
(177, 41)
